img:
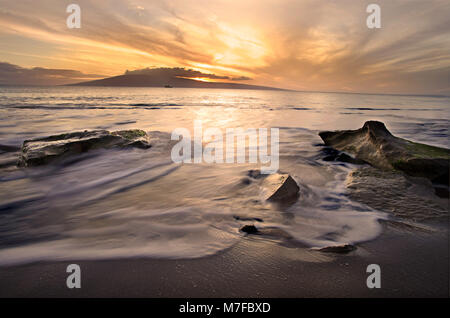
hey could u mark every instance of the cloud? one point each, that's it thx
(298, 44)
(183, 72)
(241, 78)
(11, 74)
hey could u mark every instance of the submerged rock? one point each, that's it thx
(244, 218)
(48, 149)
(249, 229)
(374, 144)
(255, 174)
(272, 232)
(280, 188)
(341, 249)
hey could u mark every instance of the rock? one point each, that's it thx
(442, 192)
(374, 144)
(243, 218)
(341, 249)
(280, 188)
(246, 181)
(45, 150)
(255, 174)
(395, 193)
(249, 229)
(342, 157)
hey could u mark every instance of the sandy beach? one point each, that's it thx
(413, 264)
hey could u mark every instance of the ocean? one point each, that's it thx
(138, 203)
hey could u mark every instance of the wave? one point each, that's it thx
(63, 106)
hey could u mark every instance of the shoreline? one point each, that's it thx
(414, 263)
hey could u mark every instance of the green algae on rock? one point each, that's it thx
(374, 144)
(41, 151)
(396, 193)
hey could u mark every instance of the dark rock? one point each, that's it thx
(342, 157)
(45, 150)
(341, 249)
(346, 158)
(374, 144)
(249, 229)
(330, 153)
(255, 174)
(243, 218)
(442, 191)
(329, 158)
(280, 188)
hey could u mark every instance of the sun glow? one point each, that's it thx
(200, 79)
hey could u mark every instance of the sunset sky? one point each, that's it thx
(299, 44)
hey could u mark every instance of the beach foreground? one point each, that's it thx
(414, 263)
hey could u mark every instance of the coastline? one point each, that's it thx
(414, 263)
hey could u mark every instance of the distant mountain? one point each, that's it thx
(165, 80)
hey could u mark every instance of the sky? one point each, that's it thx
(312, 45)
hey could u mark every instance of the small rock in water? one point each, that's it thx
(249, 229)
(255, 174)
(280, 187)
(246, 181)
(341, 249)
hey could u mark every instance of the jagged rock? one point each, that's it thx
(341, 249)
(280, 188)
(249, 229)
(374, 144)
(45, 150)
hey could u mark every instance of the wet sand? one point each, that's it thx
(414, 263)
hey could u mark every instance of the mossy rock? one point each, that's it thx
(374, 144)
(45, 150)
(130, 134)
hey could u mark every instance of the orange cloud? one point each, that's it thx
(297, 44)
